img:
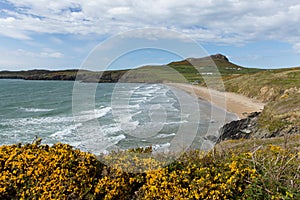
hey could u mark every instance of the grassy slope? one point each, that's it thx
(225, 68)
(267, 85)
(289, 142)
(280, 89)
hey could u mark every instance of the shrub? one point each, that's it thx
(34, 171)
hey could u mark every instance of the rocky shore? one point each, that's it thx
(248, 127)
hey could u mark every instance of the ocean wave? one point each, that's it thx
(17, 122)
(157, 148)
(101, 144)
(165, 135)
(35, 109)
(92, 114)
(177, 122)
(65, 132)
(138, 100)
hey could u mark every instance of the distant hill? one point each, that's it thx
(65, 75)
(192, 69)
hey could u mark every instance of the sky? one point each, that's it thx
(61, 34)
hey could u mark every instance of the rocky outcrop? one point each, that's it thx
(202, 61)
(239, 129)
(219, 57)
(248, 128)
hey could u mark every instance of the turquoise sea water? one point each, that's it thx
(44, 109)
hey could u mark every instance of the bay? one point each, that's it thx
(154, 115)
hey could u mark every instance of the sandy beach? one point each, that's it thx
(232, 102)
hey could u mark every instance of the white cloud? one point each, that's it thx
(43, 54)
(231, 21)
(297, 48)
(25, 59)
(52, 55)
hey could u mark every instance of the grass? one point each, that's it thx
(279, 89)
(289, 142)
(281, 113)
(265, 86)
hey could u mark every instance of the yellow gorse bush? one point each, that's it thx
(204, 178)
(39, 171)
(34, 171)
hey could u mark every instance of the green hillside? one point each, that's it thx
(190, 70)
(266, 85)
(280, 90)
(70, 75)
(192, 66)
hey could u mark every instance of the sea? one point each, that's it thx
(124, 116)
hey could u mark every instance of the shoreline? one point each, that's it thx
(238, 104)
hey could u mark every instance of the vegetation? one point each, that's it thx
(68, 75)
(268, 85)
(196, 68)
(40, 74)
(263, 171)
(280, 90)
(281, 114)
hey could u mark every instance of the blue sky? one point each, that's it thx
(61, 34)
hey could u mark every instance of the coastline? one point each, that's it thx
(238, 104)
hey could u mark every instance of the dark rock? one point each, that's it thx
(239, 129)
(219, 57)
(212, 138)
(248, 128)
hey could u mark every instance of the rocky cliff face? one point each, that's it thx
(239, 129)
(248, 128)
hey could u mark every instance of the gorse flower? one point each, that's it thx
(35, 171)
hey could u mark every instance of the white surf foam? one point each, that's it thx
(92, 114)
(165, 135)
(17, 122)
(67, 131)
(35, 109)
(101, 144)
(176, 122)
(161, 147)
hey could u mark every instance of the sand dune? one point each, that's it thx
(232, 102)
